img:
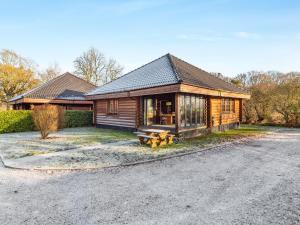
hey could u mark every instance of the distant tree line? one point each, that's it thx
(275, 96)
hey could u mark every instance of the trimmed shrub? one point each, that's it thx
(21, 120)
(77, 118)
(47, 118)
(16, 121)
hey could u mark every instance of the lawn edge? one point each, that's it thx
(175, 155)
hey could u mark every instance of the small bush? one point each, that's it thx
(47, 118)
(76, 118)
(15, 121)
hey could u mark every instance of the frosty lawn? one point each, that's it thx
(95, 148)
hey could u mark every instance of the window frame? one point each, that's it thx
(228, 105)
(193, 112)
(113, 106)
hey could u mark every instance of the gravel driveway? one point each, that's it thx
(254, 183)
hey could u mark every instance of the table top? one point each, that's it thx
(155, 131)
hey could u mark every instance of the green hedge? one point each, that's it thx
(76, 118)
(15, 121)
(21, 120)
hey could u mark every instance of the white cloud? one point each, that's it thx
(246, 35)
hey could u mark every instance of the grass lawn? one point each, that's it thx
(219, 137)
(104, 136)
(94, 147)
(24, 144)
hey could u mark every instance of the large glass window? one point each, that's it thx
(188, 110)
(202, 111)
(182, 111)
(198, 110)
(192, 110)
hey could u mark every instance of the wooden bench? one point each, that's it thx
(170, 138)
(155, 137)
(147, 139)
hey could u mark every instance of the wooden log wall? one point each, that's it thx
(126, 117)
(219, 118)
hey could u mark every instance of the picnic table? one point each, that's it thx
(155, 137)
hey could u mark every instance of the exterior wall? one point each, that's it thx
(78, 107)
(28, 106)
(219, 118)
(126, 117)
(130, 115)
(221, 121)
(217, 121)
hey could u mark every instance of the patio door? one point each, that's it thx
(148, 111)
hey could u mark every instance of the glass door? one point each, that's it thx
(148, 111)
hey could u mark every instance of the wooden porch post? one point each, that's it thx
(138, 112)
(95, 112)
(241, 110)
(177, 112)
(209, 115)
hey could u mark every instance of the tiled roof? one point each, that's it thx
(66, 86)
(189, 74)
(165, 70)
(156, 73)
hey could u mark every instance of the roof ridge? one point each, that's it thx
(167, 69)
(207, 73)
(68, 73)
(50, 82)
(189, 64)
(37, 88)
(174, 67)
(126, 74)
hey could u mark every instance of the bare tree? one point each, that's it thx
(9, 57)
(93, 67)
(51, 72)
(113, 70)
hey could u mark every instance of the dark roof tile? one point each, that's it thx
(193, 75)
(66, 86)
(165, 70)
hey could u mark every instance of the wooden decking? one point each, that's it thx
(170, 128)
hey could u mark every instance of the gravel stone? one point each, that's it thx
(249, 183)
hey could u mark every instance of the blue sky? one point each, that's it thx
(227, 36)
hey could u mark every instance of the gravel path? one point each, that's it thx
(256, 183)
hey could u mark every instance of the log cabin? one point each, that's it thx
(168, 93)
(66, 90)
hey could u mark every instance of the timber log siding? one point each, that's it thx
(223, 118)
(126, 116)
(130, 115)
